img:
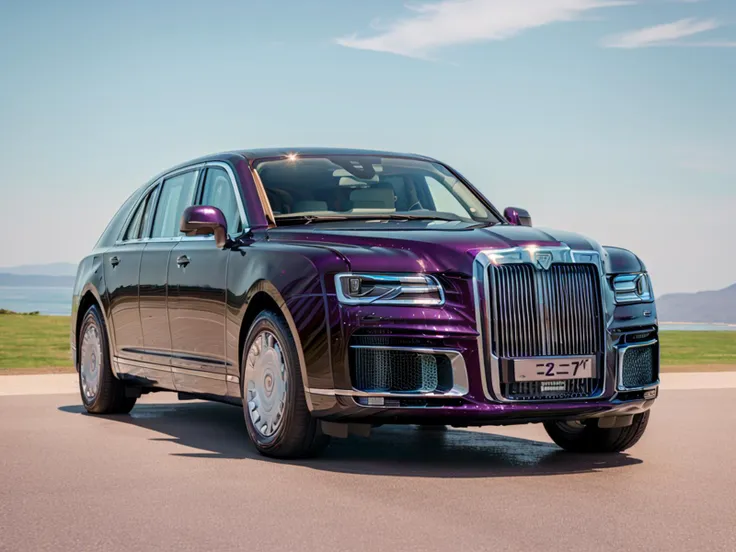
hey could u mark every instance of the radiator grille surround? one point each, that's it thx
(546, 313)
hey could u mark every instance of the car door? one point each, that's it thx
(121, 265)
(176, 194)
(198, 293)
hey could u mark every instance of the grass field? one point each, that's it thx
(40, 343)
(33, 342)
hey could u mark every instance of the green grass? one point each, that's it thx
(32, 341)
(40, 343)
(681, 348)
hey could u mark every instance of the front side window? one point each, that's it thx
(218, 192)
(358, 186)
(176, 195)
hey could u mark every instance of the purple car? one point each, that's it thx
(328, 291)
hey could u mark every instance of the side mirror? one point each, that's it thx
(202, 220)
(517, 216)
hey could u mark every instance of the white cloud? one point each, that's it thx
(448, 22)
(667, 34)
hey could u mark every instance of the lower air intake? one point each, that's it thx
(380, 370)
(639, 367)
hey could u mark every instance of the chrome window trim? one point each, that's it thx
(621, 352)
(160, 181)
(460, 384)
(483, 260)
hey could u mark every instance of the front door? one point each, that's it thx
(197, 302)
(176, 194)
(198, 295)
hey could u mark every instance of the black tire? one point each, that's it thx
(588, 437)
(110, 397)
(298, 434)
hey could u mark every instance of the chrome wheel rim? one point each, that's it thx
(91, 362)
(266, 383)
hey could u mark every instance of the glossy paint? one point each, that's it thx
(193, 316)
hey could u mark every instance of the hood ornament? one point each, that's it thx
(543, 259)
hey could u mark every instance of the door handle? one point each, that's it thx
(114, 261)
(182, 261)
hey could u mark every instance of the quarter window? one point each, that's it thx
(177, 194)
(218, 192)
(133, 232)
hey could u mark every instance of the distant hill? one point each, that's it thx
(35, 280)
(52, 269)
(703, 307)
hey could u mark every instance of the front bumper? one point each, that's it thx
(473, 399)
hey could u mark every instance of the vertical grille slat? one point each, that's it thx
(555, 312)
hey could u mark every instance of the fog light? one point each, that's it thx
(651, 394)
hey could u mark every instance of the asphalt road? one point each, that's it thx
(182, 476)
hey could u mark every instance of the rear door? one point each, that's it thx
(121, 266)
(197, 303)
(176, 193)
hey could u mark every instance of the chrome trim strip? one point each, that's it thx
(140, 364)
(519, 255)
(197, 373)
(621, 351)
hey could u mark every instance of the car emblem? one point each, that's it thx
(543, 260)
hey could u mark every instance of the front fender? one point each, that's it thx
(291, 276)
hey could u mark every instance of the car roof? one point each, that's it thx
(260, 153)
(269, 153)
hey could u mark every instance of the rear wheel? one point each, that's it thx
(586, 436)
(274, 405)
(101, 391)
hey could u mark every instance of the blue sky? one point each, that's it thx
(616, 119)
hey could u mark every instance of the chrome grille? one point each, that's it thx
(547, 313)
(553, 312)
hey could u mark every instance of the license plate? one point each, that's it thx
(551, 369)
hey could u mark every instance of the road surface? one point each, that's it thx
(182, 476)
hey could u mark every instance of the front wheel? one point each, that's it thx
(579, 436)
(274, 405)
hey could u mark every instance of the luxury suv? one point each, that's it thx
(328, 291)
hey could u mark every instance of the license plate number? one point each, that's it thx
(551, 369)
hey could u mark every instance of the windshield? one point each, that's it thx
(360, 186)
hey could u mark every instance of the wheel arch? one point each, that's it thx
(263, 295)
(88, 297)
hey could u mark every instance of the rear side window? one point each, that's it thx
(177, 194)
(218, 192)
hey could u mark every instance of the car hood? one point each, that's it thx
(422, 246)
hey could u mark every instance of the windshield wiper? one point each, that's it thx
(309, 219)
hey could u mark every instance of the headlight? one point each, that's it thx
(388, 289)
(632, 288)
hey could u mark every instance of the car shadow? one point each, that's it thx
(217, 431)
